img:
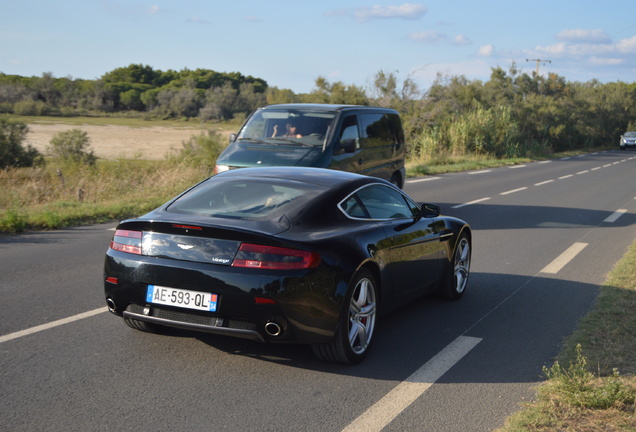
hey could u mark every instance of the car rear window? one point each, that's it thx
(239, 199)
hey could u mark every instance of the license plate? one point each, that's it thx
(182, 298)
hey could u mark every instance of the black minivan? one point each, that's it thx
(355, 138)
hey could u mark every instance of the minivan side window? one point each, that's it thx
(376, 126)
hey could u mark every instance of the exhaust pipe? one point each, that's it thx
(112, 307)
(273, 329)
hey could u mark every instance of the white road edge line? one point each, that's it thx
(52, 324)
(614, 216)
(564, 258)
(470, 203)
(397, 400)
(423, 180)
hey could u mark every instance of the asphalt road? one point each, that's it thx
(545, 236)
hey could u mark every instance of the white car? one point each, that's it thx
(628, 139)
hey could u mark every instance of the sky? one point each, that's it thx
(291, 43)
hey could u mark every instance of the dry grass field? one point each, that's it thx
(115, 141)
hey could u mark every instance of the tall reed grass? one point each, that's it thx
(481, 132)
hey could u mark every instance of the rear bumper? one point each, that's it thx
(305, 308)
(215, 326)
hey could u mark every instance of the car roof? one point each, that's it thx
(318, 176)
(327, 107)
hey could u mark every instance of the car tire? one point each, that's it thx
(458, 270)
(144, 326)
(357, 323)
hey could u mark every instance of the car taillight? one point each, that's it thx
(127, 241)
(274, 258)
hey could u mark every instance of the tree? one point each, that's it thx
(337, 93)
(12, 152)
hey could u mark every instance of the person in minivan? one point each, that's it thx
(292, 131)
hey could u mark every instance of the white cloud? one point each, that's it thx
(627, 46)
(406, 11)
(571, 49)
(556, 50)
(438, 37)
(584, 36)
(600, 61)
(154, 9)
(486, 51)
(462, 40)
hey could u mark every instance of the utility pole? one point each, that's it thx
(539, 62)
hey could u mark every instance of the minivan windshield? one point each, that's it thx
(288, 127)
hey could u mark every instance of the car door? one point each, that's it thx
(347, 152)
(411, 250)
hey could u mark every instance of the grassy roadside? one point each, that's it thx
(597, 390)
(62, 195)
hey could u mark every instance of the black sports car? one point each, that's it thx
(285, 254)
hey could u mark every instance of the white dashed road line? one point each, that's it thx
(614, 216)
(470, 203)
(543, 182)
(398, 399)
(564, 258)
(513, 191)
(52, 324)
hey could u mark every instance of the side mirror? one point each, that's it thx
(430, 210)
(348, 145)
(232, 137)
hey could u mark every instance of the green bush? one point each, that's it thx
(12, 221)
(200, 151)
(72, 146)
(579, 387)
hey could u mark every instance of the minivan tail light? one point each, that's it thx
(127, 241)
(274, 258)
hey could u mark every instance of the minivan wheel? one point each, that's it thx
(396, 180)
